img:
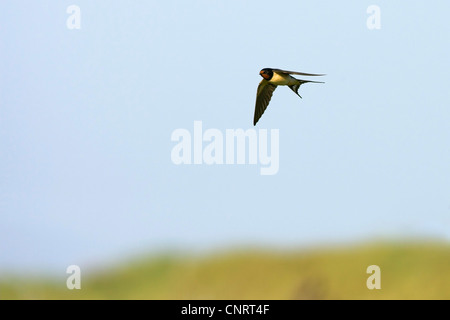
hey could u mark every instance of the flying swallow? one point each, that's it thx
(272, 79)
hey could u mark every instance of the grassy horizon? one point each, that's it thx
(408, 271)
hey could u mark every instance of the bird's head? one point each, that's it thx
(266, 73)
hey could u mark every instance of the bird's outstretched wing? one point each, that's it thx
(298, 73)
(263, 96)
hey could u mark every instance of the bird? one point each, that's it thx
(272, 78)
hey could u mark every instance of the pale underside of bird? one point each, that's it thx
(272, 79)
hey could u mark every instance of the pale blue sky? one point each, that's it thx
(86, 118)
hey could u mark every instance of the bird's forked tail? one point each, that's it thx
(296, 86)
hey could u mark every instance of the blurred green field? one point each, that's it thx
(408, 271)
